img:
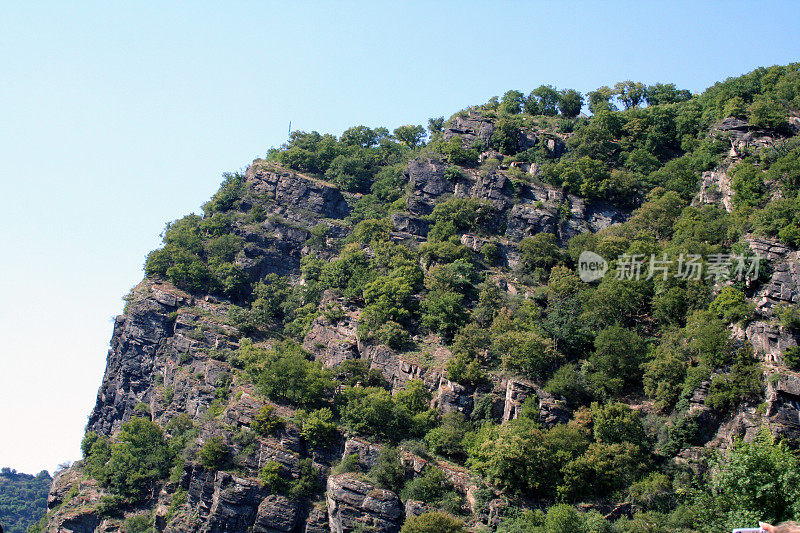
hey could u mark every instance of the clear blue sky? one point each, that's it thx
(119, 116)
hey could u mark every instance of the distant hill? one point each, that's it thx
(23, 499)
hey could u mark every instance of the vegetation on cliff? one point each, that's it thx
(459, 252)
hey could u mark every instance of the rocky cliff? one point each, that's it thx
(173, 353)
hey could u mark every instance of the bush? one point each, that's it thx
(602, 470)
(619, 352)
(214, 454)
(388, 471)
(433, 522)
(317, 427)
(732, 306)
(285, 374)
(526, 352)
(131, 463)
(266, 420)
(432, 488)
(447, 439)
(373, 411)
(272, 476)
(740, 476)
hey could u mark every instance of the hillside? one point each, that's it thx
(388, 330)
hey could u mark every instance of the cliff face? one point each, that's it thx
(170, 357)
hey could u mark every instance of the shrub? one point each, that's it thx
(272, 476)
(137, 458)
(432, 488)
(373, 411)
(317, 427)
(214, 454)
(433, 522)
(526, 352)
(266, 420)
(349, 463)
(286, 375)
(308, 481)
(388, 471)
(447, 439)
(738, 480)
(731, 305)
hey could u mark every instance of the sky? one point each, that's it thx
(117, 117)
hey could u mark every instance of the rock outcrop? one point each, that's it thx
(356, 504)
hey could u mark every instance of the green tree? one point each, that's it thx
(600, 100)
(512, 102)
(766, 112)
(630, 93)
(266, 420)
(731, 305)
(410, 135)
(317, 427)
(139, 457)
(388, 471)
(527, 352)
(214, 454)
(546, 98)
(563, 518)
(618, 354)
(666, 93)
(755, 481)
(433, 488)
(570, 103)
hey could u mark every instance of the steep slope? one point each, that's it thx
(361, 330)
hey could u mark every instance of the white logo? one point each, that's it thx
(591, 266)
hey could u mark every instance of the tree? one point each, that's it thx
(603, 469)
(546, 98)
(435, 125)
(666, 93)
(266, 420)
(512, 102)
(600, 100)
(766, 112)
(433, 488)
(447, 439)
(755, 481)
(139, 457)
(317, 427)
(214, 454)
(527, 352)
(444, 312)
(731, 305)
(630, 93)
(388, 471)
(618, 354)
(410, 135)
(286, 375)
(570, 103)
(506, 135)
(540, 253)
(563, 518)
(433, 522)
(373, 411)
(618, 423)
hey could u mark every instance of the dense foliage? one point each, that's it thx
(628, 356)
(23, 499)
